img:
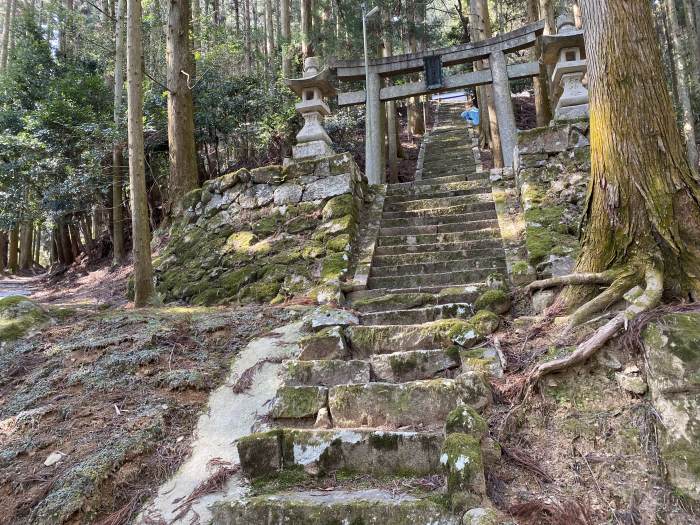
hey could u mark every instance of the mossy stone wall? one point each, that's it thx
(265, 235)
(552, 168)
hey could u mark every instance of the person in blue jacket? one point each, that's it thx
(471, 114)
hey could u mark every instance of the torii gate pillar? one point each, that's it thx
(374, 164)
(504, 106)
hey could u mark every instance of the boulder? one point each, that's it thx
(298, 402)
(326, 344)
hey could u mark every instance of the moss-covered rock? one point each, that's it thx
(465, 420)
(463, 464)
(495, 300)
(299, 402)
(334, 266)
(18, 315)
(337, 207)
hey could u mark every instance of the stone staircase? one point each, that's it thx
(387, 394)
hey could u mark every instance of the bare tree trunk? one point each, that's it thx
(248, 51)
(285, 36)
(37, 245)
(643, 206)
(688, 119)
(390, 107)
(306, 27)
(143, 269)
(12, 257)
(26, 247)
(66, 29)
(416, 116)
(3, 251)
(540, 83)
(180, 65)
(119, 253)
(269, 32)
(6, 25)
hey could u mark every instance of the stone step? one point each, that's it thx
(448, 166)
(437, 238)
(419, 315)
(401, 367)
(457, 209)
(452, 227)
(419, 404)
(401, 190)
(477, 187)
(368, 506)
(439, 220)
(453, 265)
(439, 202)
(444, 150)
(326, 372)
(383, 300)
(442, 180)
(357, 450)
(436, 289)
(433, 279)
(419, 258)
(479, 244)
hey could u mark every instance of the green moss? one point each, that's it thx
(313, 250)
(334, 266)
(267, 225)
(465, 420)
(520, 268)
(298, 401)
(496, 301)
(463, 332)
(403, 364)
(18, 315)
(384, 441)
(191, 198)
(233, 281)
(339, 243)
(338, 207)
(240, 241)
(260, 292)
(393, 301)
(301, 223)
(453, 353)
(285, 479)
(461, 458)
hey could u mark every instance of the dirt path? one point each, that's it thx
(18, 285)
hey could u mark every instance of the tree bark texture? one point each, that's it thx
(12, 256)
(285, 37)
(540, 84)
(306, 25)
(143, 270)
(180, 67)
(26, 246)
(643, 201)
(119, 253)
(6, 26)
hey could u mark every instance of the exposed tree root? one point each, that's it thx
(646, 301)
(604, 300)
(573, 279)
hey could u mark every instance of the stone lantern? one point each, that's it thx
(566, 54)
(312, 140)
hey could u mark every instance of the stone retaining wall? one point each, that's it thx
(552, 166)
(267, 234)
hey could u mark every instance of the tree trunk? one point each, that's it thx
(416, 120)
(285, 36)
(539, 83)
(119, 253)
(181, 147)
(6, 25)
(269, 32)
(26, 247)
(37, 245)
(12, 257)
(248, 46)
(3, 251)
(642, 208)
(688, 119)
(143, 270)
(306, 27)
(66, 29)
(390, 106)
(65, 242)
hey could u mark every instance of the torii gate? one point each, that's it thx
(431, 62)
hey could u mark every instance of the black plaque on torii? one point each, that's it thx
(433, 72)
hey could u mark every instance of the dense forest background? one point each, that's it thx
(63, 116)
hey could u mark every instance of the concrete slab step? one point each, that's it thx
(371, 506)
(432, 279)
(456, 209)
(440, 220)
(322, 452)
(401, 367)
(439, 202)
(434, 229)
(419, 315)
(434, 238)
(452, 265)
(478, 244)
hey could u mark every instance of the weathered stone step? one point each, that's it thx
(479, 244)
(451, 227)
(476, 188)
(401, 367)
(380, 300)
(457, 209)
(370, 506)
(453, 265)
(448, 166)
(440, 202)
(322, 452)
(326, 372)
(422, 404)
(441, 219)
(432, 279)
(442, 180)
(436, 238)
(418, 258)
(400, 190)
(368, 340)
(451, 149)
(418, 315)
(437, 289)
